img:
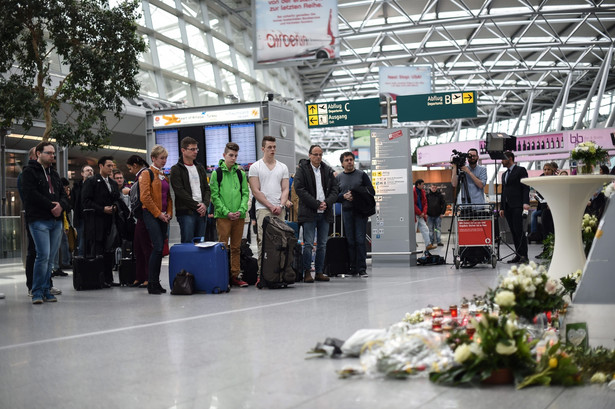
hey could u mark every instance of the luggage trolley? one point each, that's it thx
(474, 234)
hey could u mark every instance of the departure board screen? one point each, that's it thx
(216, 138)
(169, 139)
(244, 135)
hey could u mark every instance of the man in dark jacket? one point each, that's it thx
(76, 203)
(101, 193)
(515, 199)
(45, 199)
(317, 189)
(354, 186)
(192, 193)
(436, 207)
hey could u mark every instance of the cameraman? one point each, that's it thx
(476, 180)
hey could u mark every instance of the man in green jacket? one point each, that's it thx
(229, 194)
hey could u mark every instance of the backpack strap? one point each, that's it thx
(219, 177)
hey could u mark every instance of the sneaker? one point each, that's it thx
(431, 247)
(1, 296)
(440, 244)
(58, 273)
(321, 277)
(50, 298)
(237, 282)
(30, 293)
(307, 277)
(37, 299)
(363, 274)
(55, 291)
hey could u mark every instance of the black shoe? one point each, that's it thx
(162, 290)
(58, 273)
(440, 244)
(514, 260)
(136, 284)
(113, 284)
(363, 274)
(106, 285)
(152, 289)
(524, 260)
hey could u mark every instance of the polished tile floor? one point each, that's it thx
(122, 348)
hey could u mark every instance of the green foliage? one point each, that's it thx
(592, 360)
(555, 368)
(96, 44)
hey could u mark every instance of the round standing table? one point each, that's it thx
(567, 197)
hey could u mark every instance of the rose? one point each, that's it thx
(462, 353)
(551, 286)
(505, 299)
(505, 348)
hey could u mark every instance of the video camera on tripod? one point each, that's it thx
(459, 159)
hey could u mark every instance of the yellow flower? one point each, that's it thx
(598, 377)
(553, 363)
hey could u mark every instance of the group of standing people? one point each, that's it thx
(105, 208)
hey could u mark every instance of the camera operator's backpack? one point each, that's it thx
(429, 259)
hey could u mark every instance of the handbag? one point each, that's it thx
(183, 283)
(71, 234)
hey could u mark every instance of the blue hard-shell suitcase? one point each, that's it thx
(208, 265)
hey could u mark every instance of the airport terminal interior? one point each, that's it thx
(538, 73)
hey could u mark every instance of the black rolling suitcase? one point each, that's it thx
(278, 246)
(88, 271)
(336, 252)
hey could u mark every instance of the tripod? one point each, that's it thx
(462, 185)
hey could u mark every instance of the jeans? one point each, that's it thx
(422, 226)
(355, 227)
(534, 223)
(190, 226)
(435, 225)
(157, 230)
(46, 235)
(309, 229)
(63, 252)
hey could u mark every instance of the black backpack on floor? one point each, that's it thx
(429, 259)
(277, 251)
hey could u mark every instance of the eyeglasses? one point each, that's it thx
(192, 149)
(49, 153)
(316, 154)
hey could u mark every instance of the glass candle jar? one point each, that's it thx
(453, 310)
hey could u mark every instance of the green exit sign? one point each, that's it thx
(344, 113)
(443, 105)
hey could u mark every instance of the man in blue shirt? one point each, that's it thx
(476, 178)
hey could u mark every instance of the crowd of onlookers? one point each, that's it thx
(102, 212)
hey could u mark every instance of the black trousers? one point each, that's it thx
(514, 218)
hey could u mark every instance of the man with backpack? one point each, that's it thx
(436, 207)
(192, 194)
(230, 195)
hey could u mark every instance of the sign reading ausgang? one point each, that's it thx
(443, 105)
(344, 113)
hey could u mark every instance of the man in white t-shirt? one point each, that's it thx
(192, 193)
(269, 184)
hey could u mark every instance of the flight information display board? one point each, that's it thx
(216, 138)
(244, 135)
(169, 139)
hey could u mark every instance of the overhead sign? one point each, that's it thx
(443, 105)
(344, 113)
(206, 117)
(411, 80)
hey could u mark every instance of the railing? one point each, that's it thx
(10, 237)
